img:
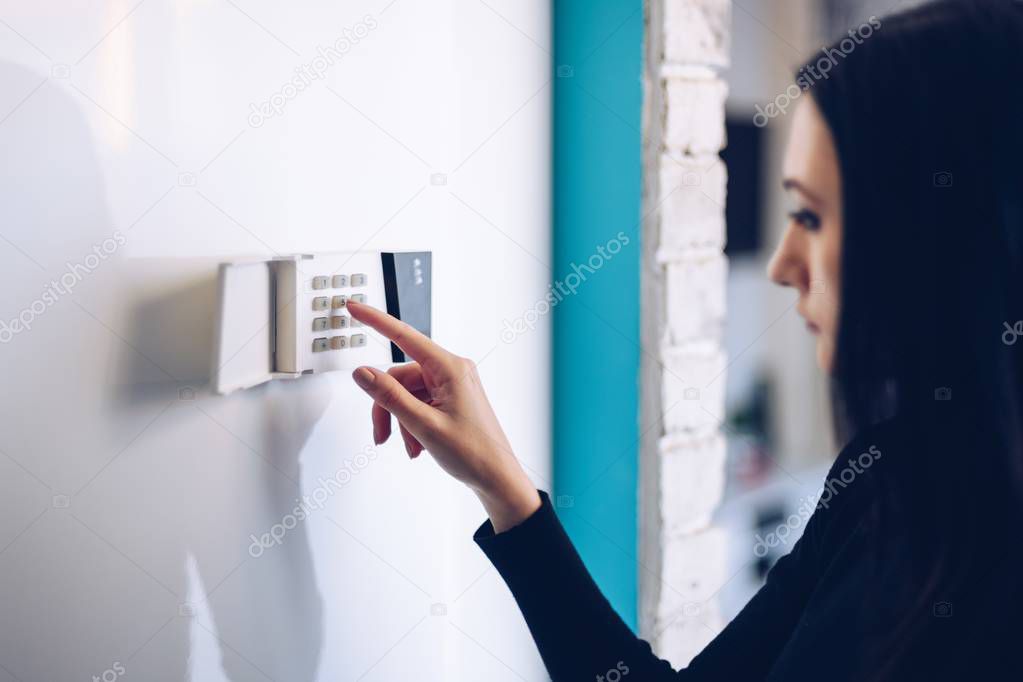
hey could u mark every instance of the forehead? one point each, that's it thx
(811, 158)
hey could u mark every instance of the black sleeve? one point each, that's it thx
(581, 637)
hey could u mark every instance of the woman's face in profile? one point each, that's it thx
(809, 255)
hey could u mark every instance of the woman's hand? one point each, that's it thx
(441, 407)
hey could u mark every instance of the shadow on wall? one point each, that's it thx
(133, 504)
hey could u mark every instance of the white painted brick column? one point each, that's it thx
(684, 277)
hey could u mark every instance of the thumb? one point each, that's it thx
(388, 393)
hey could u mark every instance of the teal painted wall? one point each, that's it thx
(598, 102)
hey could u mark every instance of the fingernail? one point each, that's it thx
(363, 377)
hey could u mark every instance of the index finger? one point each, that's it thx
(416, 345)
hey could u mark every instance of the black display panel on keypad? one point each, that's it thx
(407, 278)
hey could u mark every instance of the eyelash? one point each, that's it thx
(808, 219)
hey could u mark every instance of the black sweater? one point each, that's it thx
(810, 621)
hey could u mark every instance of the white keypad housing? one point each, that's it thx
(312, 300)
(288, 316)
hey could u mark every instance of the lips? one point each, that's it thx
(810, 326)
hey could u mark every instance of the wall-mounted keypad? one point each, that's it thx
(337, 301)
(324, 343)
(333, 304)
(339, 281)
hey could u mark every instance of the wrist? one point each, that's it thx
(510, 502)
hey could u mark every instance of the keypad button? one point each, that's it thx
(320, 345)
(338, 302)
(339, 322)
(320, 282)
(358, 340)
(340, 281)
(321, 303)
(359, 298)
(319, 324)
(358, 280)
(339, 342)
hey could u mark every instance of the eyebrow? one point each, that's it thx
(792, 183)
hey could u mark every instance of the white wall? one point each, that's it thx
(124, 505)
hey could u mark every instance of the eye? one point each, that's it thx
(806, 218)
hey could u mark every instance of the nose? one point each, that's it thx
(788, 267)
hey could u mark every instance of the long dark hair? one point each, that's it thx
(927, 115)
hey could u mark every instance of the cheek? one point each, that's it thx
(822, 303)
(828, 268)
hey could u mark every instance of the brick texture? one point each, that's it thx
(682, 459)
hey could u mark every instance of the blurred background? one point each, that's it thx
(779, 425)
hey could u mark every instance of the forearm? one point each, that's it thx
(578, 633)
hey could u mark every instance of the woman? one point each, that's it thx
(906, 169)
